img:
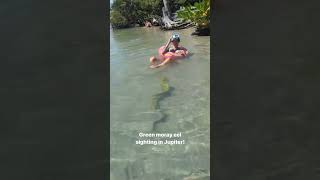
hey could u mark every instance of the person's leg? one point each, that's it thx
(164, 62)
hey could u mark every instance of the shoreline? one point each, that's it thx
(153, 27)
(193, 28)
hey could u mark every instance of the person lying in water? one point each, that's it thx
(168, 54)
(147, 24)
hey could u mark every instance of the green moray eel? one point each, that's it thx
(164, 84)
(166, 90)
(159, 96)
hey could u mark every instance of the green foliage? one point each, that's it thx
(117, 20)
(199, 13)
(181, 2)
(125, 8)
(147, 9)
(137, 11)
(175, 5)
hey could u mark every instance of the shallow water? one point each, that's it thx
(132, 85)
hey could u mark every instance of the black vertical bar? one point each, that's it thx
(54, 89)
(266, 90)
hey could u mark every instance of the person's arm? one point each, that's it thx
(166, 47)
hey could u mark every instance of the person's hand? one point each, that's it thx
(181, 53)
(154, 66)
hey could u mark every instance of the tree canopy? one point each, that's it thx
(125, 13)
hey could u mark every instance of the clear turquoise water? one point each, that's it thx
(188, 107)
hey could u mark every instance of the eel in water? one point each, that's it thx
(166, 90)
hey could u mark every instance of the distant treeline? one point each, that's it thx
(127, 13)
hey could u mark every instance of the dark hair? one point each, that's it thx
(176, 39)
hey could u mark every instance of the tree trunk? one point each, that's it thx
(168, 23)
(166, 10)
